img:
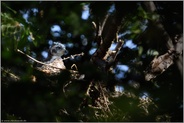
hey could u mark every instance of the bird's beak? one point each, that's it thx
(66, 52)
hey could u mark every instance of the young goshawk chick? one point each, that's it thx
(57, 50)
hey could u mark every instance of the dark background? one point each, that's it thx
(32, 101)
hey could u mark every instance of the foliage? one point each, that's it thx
(119, 93)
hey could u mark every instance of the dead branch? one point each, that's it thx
(110, 57)
(158, 66)
(72, 56)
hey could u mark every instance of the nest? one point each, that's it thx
(97, 98)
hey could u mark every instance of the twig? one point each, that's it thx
(113, 54)
(105, 98)
(104, 21)
(72, 56)
(89, 87)
(74, 65)
(65, 87)
(11, 75)
(94, 25)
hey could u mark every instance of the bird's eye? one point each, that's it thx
(58, 48)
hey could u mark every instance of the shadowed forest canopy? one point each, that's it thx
(92, 61)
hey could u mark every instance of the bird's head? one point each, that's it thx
(57, 49)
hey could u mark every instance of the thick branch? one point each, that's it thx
(108, 35)
(111, 26)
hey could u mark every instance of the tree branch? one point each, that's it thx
(175, 49)
(149, 6)
(110, 28)
(71, 71)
